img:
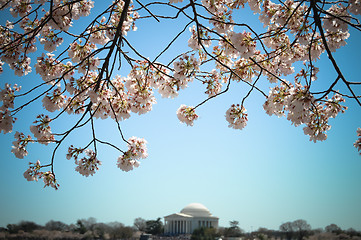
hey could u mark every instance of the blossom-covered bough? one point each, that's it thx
(78, 65)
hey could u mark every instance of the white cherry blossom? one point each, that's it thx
(137, 149)
(41, 130)
(19, 146)
(187, 115)
(88, 165)
(237, 117)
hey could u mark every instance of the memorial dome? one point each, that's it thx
(196, 210)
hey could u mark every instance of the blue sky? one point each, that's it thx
(262, 176)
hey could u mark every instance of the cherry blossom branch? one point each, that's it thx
(147, 10)
(65, 136)
(216, 95)
(253, 85)
(330, 56)
(117, 37)
(117, 121)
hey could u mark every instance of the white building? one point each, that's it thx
(191, 217)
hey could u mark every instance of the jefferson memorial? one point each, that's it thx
(191, 217)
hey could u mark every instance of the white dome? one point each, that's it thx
(196, 210)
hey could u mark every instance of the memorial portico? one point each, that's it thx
(193, 216)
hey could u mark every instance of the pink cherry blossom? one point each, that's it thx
(48, 68)
(243, 43)
(186, 115)
(193, 42)
(126, 163)
(336, 19)
(136, 150)
(78, 52)
(19, 146)
(21, 7)
(237, 117)
(41, 129)
(21, 67)
(49, 39)
(98, 35)
(214, 85)
(317, 124)
(357, 144)
(185, 69)
(355, 7)
(49, 180)
(6, 121)
(54, 101)
(88, 165)
(7, 96)
(32, 173)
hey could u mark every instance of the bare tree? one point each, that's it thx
(56, 226)
(333, 228)
(302, 228)
(140, 224)
(287, 229)
(298, 229)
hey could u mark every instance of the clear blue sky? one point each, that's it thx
(262, 176)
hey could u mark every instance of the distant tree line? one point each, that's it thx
(91, 229)
(296, 230)
(82, 229)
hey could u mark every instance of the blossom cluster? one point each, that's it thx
(237, 117)
(7, 97)
(137, 149)
(86, 165)
(243, 45)
(128, 24)
(48, 28)
(139, 91)
(51, 69)
(124, 95)
(214, 85)
(185, 69)
(54, 101)
(41, 129)
(89, 164)
(187, 114)
(49, 39)
(33, 173)
(197, 37)
(17, 47)
(6, 121)
(355, 7)
(19, 146)
(302, 108)
(221, 15)
(167, 87)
